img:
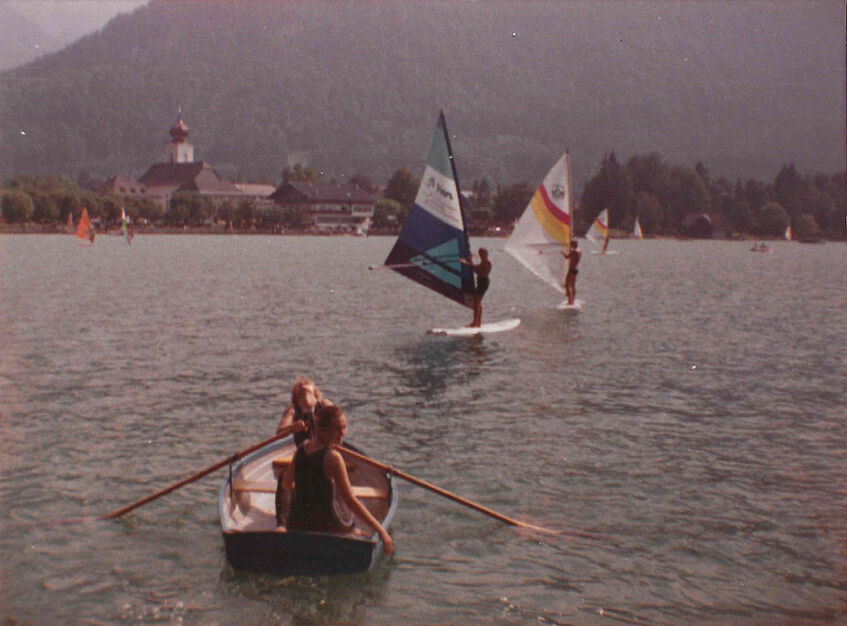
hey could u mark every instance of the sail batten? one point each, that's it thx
(546, 227)
(434, 236)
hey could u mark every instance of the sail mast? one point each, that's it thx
(456, 180)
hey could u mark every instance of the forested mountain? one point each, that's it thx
(355, 87)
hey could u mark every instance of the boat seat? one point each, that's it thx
(282, 464)
(360, 491)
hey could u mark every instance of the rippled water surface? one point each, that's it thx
(692, 414)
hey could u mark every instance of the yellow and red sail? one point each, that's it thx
(546, 226)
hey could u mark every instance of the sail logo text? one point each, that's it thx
(431, 183)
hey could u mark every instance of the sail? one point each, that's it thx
(636, 230)
(434, 236)
(83, 229)
(599, 228)
(70, 226)
(124, 224)
(788, 233)
(545, 227)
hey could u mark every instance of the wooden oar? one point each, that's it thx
(293, 428)
(461, 500)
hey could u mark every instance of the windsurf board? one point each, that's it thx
(464, 331)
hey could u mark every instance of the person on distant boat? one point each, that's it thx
(305, 398)
(572, 258)
(317, 475)
(482, 270)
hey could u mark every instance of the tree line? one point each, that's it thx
(661, 196)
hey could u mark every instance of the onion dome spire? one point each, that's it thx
(179, 131)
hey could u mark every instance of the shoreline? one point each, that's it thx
(36, 229)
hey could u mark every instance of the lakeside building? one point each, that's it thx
(181, 173)
(327, 207)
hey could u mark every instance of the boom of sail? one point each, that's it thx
(546, 226)
(434, 236)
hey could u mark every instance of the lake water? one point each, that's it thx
(692, 414)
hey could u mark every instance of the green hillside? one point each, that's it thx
(356, 87)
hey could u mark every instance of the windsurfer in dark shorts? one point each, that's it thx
(573, 260)
(482, 270)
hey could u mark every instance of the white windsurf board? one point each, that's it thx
(601, 253)
(564, 306)
(464, 331)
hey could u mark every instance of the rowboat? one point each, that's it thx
(247, 503)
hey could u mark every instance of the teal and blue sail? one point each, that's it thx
(434, 236)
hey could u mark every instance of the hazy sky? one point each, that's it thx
(71, 19)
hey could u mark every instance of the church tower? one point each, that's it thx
(178, 150)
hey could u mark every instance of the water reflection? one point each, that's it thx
(312, 599)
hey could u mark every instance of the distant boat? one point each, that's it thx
(636, 230)
(70, 227)
(83, 228)
(125, 227)
(788, 233)
(247, 504)
(546, 227)
(761, 247)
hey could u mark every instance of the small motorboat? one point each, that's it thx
(247, 503)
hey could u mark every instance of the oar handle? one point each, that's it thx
(292, 428)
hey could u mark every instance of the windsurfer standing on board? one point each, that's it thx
(482, 270)
(573, 258)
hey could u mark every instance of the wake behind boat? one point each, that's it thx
(247, 503)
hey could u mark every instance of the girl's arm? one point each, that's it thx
(336, 471)
(287, 419)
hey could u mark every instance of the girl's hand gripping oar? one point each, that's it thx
(463, 501)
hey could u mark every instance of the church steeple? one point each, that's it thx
(178, 150)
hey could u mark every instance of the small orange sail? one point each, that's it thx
(83, 229)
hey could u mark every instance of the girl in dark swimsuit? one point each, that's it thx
(318, 475)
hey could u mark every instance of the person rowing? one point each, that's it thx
(305, 398)
(318, 475)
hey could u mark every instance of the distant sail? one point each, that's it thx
(599, 230)
(546, 227)
(70, 226)
(636, 230)
(788, 233)
(125, 225)
(83, 229)
(434, 236)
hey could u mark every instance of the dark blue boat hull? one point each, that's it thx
(300, 553)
